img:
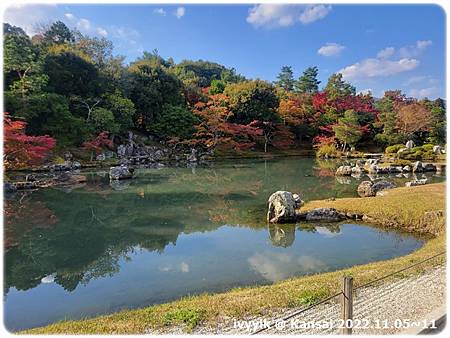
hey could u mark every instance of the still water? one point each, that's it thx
(172, 232)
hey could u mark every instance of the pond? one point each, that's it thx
(173, 232)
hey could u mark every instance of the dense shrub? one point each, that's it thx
(327, 150)
(394, 149)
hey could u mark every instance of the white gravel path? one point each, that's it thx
(408, 299)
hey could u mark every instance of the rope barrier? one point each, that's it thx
(398, 271)
(298, 312)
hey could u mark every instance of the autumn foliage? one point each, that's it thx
(97, 144)
(21, 150)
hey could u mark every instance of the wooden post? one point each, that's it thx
(347, 304)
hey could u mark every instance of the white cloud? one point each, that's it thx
(330, 49)
(415, 79)
(70, 16)
(102, 32)
(278, 266)
(184, 267)
(180, 12)
(273, 15)
(29, 16)
(429, 92)
(84, 25)
(386, 53)
(160, 11)
(371, 68)
(314, 13)
(366, 91)
(416, 49)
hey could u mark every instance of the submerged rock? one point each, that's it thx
(283, 207)
(120, 173)
(325, 214)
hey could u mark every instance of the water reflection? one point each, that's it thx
(168, 233)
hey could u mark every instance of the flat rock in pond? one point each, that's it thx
(120, 173)
(325, 214)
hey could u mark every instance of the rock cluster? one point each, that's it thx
(122, 172)
(372, 166)
(369, 188)
(416, 183)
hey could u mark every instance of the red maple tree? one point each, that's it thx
(21, 150)
(97, 144)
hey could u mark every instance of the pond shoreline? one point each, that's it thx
(406, 205)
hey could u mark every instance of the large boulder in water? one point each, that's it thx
(324, 215)
(283, 207)
(120, 173)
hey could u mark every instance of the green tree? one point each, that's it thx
(252, 100)
(217, 87)
(49, 114)
(347, 130)
(71, 75)
(286, 78)
(122, 108)
(151, 87)
(439, 126)
(308, 83)
(58, 33)
(387, 123)
(337, 88)
(102, 119)
(22, 64)
(175, 121)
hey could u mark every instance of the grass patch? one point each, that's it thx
(190, 317)
(406, 206)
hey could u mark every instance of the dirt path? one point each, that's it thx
(384, 306)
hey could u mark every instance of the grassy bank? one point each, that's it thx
(402, 207)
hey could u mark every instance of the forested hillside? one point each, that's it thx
(74, 89)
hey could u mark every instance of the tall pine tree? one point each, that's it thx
(286, 78)
(308, 83)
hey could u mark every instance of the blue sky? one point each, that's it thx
(376, 47)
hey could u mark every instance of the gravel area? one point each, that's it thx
(385, 308)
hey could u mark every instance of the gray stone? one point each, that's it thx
(369, 189)
(100, 157)
(192, 157)
(9, 188)
(121, 151)
(283, 207)
(437, 150)
(344, 170)
(417, 167)
(382, 185)
(120, 173)
(325, 215)
(406, 168)
(416, 183)
(409, 144)
(429, 167)
(364, 189)
(68, 156)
